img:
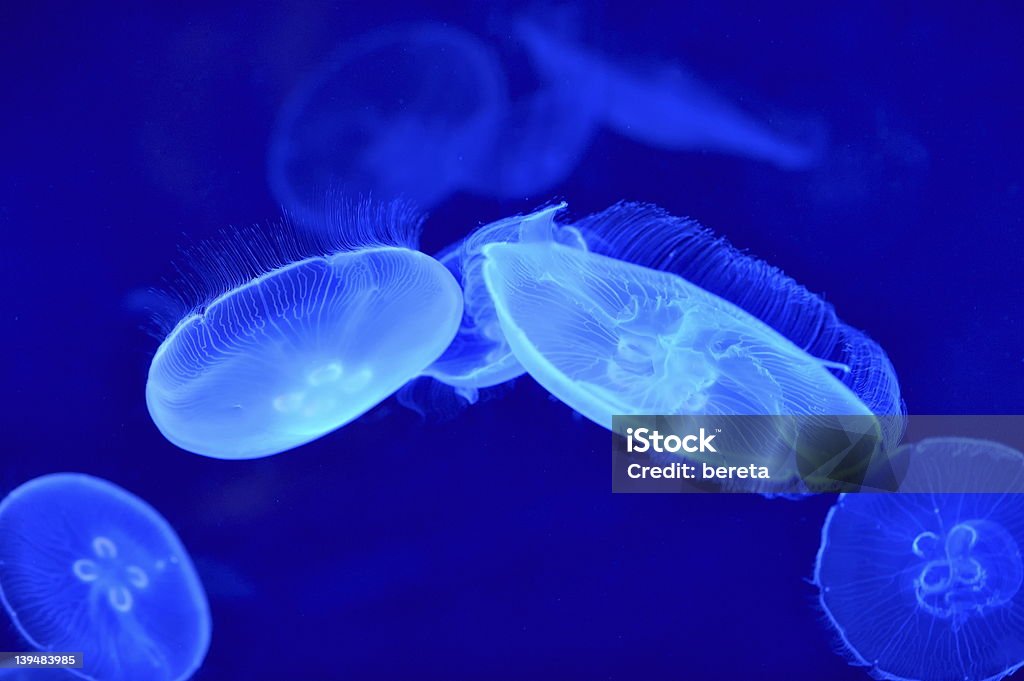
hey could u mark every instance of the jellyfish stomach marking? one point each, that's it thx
(106, 572)
(670, 354)
(326, 384)
(970, 569)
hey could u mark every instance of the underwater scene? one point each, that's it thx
(322, 320)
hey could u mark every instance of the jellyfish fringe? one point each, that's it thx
(208, 269)
(647, 235)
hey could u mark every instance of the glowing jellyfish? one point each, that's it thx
(479, 356)
(662, 106)
(609, 336)
(646, 235)
(928, 585)
(85, 566)
(403, 112)
(290, 355)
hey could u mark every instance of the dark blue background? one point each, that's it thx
(490, 546)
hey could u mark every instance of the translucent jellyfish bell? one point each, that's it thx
(646, 235)
(85, 566)
(610, 337)
(402, 112)
(928, 585)
(479, 356)
(290, 355)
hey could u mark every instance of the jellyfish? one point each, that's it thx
(697, 328)
(543, 133)
(86, 566)
(609, 337)
(662, 105)
(280, 359)
(402, 112)
(479, 356)
(926, 584)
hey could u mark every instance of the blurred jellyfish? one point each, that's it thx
(284, 357)
(479, 356)
(540, 142)
(85, 566)
(542, 134)
(927, 585)
(662, 106)
(608, 336)
(421, 111)
(402, 112)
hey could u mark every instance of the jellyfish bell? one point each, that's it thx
(401, 112)
(87, 567)
(610, 337)
(926, 584)
(479, 356)
(646, 235)
(960, 466)
(643, 313)
(287, 356)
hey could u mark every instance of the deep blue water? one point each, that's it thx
(490, 545)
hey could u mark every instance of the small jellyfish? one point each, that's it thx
(87, 567)
(403, 112)
(663, 106)
(287, 356)
(927, 585)
(608, 336)
(479, 356)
